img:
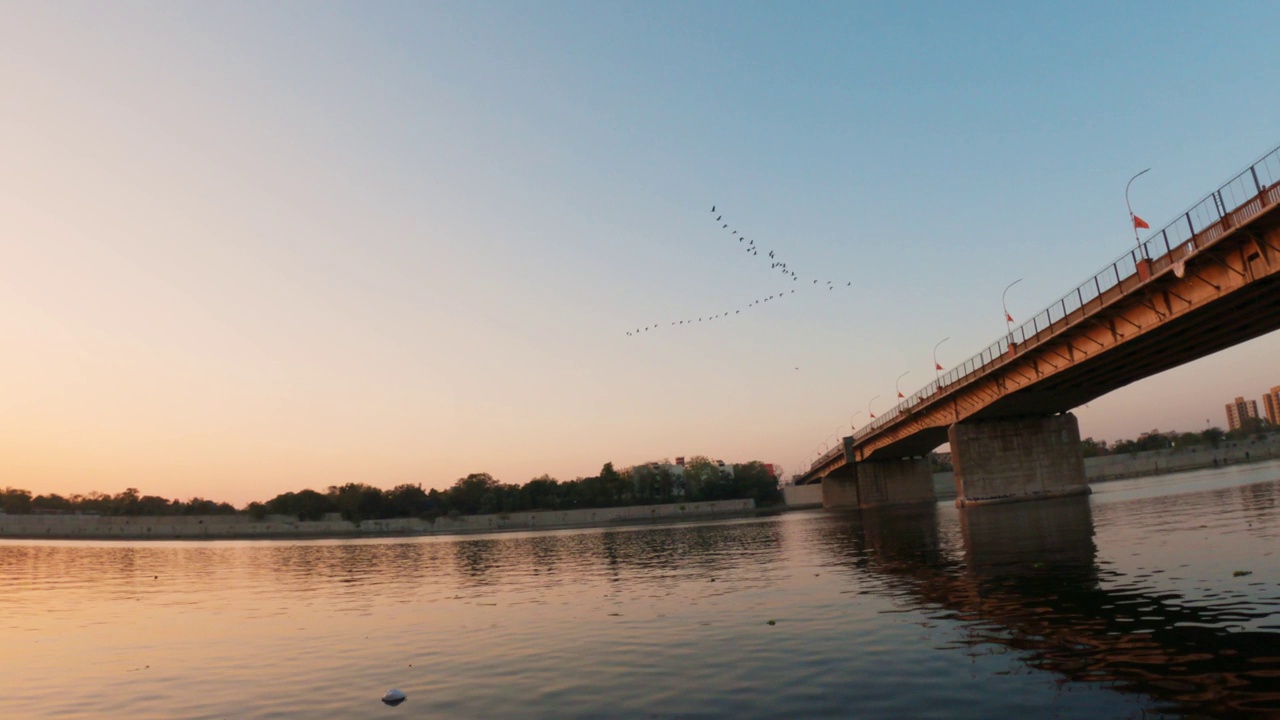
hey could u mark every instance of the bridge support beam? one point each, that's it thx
(1003, 461)
(883, 482)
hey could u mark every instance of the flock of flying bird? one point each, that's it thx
(754, 250)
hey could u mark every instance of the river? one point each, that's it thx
(1131, 603)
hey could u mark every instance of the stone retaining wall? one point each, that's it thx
(1158, 462)
(281, 526)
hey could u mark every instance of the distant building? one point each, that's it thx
(1271, 402)
(1239, 411)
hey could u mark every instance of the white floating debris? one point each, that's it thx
(393, 697)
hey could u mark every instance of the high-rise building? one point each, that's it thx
(1239, 411)
(1271, 402)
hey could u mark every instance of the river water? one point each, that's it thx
(1127, 604)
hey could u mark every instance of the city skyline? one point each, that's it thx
(253, 249)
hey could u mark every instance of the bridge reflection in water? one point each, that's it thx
(1026, 577)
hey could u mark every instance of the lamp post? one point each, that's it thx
(851, 417)
(1133, 219)
(1008, 319)
(873, 415)
(897, 384)
(937, 369)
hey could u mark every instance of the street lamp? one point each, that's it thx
(897, 384)
(1134, 219)
(873, 415)
(851, 417)
(1008, 319)
(937, 369)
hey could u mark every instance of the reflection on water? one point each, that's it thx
(1122, 604)
(1027, 578)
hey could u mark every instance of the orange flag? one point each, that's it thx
(901, 396)
(937, 367)
(1139, 223)
(873, 415)
(1008, 317)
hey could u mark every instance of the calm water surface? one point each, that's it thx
(1122, 605)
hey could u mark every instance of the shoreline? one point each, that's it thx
(277, 527)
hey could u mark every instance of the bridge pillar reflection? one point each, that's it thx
(999, 461)
(879, 483)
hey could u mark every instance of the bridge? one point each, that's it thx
(1205, 282)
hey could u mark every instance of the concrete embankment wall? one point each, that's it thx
(1157, 462)
(284, 526)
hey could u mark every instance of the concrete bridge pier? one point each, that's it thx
(879, 483)
(1000, 461)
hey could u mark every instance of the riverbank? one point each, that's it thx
(1195, 457)
(244, 527)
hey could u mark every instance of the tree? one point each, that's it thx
(467, 494)
(15, 501)
(753, 480)
(1189, 439)
(54, 503)
(407, 501)
(1249, 426)
(1213, 436)
(541, 493)
(613, 485)
(702, 478)
(1092, 448)
(125, 503)
(357, 501)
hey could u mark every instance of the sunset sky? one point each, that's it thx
(252, 248)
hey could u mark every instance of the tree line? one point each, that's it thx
(129, 502)
(1212, 437)
(475, 494)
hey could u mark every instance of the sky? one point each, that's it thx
(249, 248)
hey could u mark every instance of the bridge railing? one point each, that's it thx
(1241, 196)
